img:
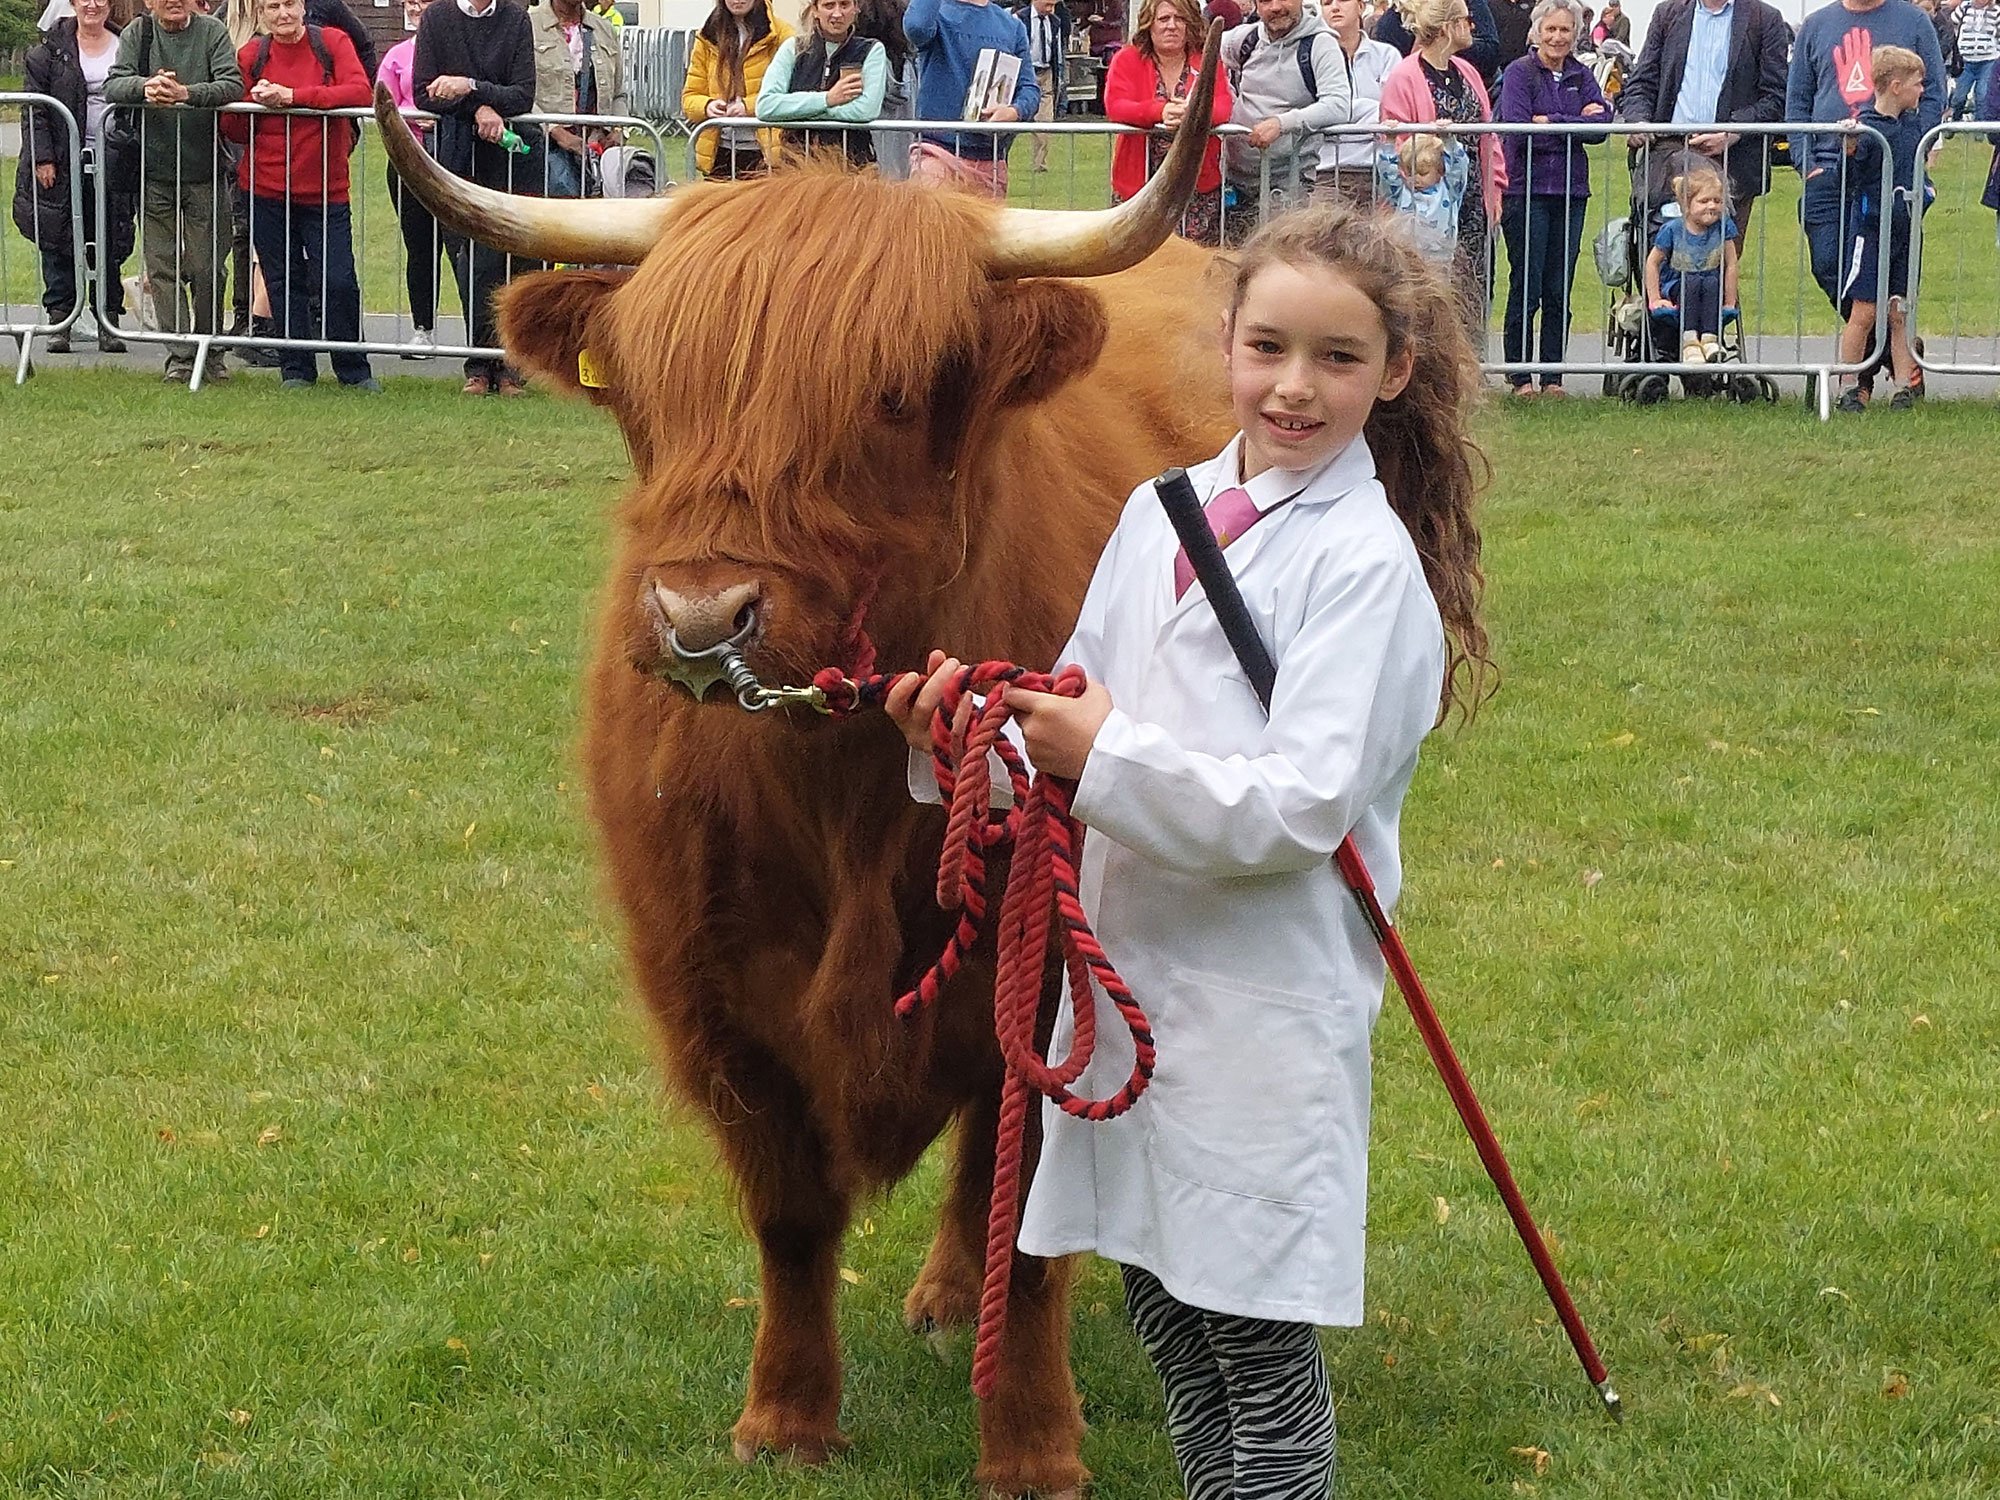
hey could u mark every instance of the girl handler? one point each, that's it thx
(1233, 1196)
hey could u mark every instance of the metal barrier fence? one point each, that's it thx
(1774, 331)
(656, 64)
(1964, 300)
(25, 333)
(191, 219)
(1623, 201)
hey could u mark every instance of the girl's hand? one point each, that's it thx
(915, 698)
(1661, 304)
(1059, 731)
(45, 174)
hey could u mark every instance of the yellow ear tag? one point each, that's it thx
(588, 373)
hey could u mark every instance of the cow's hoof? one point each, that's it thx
(789, 1441)
(938, 1303)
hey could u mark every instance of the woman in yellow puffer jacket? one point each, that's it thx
(735, 46)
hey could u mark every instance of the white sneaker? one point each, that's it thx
(421, 342)
(1711, 348)
(1693, 354)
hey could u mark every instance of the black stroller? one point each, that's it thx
(1629, 332)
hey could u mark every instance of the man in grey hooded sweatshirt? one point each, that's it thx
(1291, 82)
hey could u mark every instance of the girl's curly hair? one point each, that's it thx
(1425, 456)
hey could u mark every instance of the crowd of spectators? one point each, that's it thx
(1375, 102)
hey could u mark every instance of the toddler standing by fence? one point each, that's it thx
(1424, 179)
(1233, 1196)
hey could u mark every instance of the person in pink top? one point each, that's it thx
(423, 241)
(1148, 85)
(1433, 84)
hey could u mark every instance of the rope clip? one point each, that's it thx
(698, 671)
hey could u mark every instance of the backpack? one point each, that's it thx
(263, 58)
(1302, 51)
(317, 41)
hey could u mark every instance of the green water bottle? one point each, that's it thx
(510, 140)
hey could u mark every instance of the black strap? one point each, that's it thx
(1302, 52)
(1204, 553)
(146, 47)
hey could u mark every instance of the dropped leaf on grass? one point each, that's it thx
(596, 1091)
(240, 1417)
(1499, 864)
(867, 1228)
(1834, 1291)
(411, 1255)
(1591, 878)
(1896, 1387)
(1720, 747)
(1620, 741)
(1985, 1115)
(222, 1460)
(485, 1259)
(741, 1302)
(315, 799)
(168, 1136)
(1866, 713)
(263, 1232)
(1538, 1458)
(850, 1276)
(457, 1346)
(1389, 1361)
(1440, 1210)
(1755, 1392)
(116, 1415)
(270, 1135)
(1920, 1023)
(1523, 1487)
(1592, 1105)
(470, 829)
(1701, 1343)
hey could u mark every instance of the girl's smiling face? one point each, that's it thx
(1308, 359)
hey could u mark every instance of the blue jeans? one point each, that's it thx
(1969, 91)
(306, 251)
(1544, 234)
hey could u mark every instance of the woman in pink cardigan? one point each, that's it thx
(1433, 84)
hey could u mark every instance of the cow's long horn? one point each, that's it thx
(593, 231)
(1071, 242)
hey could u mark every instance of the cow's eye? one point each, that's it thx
(895, 406)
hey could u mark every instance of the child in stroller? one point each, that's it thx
(1672, 268)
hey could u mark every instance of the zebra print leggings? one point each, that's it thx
(1249, 1407)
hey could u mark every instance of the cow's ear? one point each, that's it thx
(1037, 336)
(547, 321)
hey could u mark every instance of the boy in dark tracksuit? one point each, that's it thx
(1873, 242)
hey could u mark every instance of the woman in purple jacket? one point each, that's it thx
(1548, 186)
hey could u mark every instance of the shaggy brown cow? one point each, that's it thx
(851, 406)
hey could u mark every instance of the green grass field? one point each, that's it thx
(1961, 289)
(337, 1165)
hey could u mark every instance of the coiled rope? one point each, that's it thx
(1046, 841)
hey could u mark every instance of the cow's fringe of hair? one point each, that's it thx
(1424, 452)
(883, 282)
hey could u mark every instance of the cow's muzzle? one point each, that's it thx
(703, 639)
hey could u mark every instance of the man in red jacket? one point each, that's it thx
(296, 175)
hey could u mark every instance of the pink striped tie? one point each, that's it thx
(1230, 514)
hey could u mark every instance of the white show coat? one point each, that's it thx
(1240, 1178)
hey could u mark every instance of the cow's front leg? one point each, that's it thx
(945, 1295)
(1031, 1430)
(798, 1213)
